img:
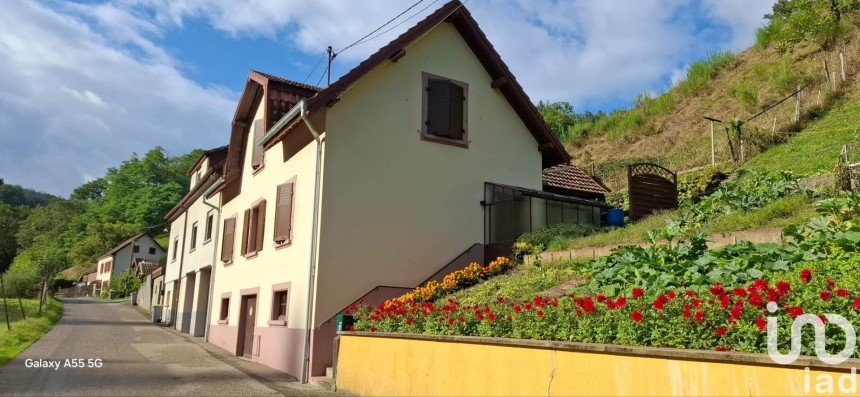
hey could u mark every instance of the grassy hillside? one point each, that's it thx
(670, 129)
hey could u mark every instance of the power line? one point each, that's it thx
(315, 68)
(403, 21)
(380, 27)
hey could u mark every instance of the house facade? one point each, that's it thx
(123, 256)
(370, 187)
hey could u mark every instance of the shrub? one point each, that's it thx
(557, 234)
(767, 33)
(125, 283)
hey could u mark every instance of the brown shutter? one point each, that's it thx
(245, 226)
(261, 226)
(284, 213)
(257, 154)
(455, 122)
(438, 98)
(228, 240)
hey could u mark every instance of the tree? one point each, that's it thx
(10, 220)
(50, 260)
(49, 224)
(126, 282)
(100, 237)
(93, 191)
(819, 21)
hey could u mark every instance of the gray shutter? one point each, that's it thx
(229, 239)
(455, 123)
(284, 213)
(261, 226)
(438, 115)
(257, 154)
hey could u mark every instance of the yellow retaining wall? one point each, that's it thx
(428, 365)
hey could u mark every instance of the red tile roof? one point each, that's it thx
(571, 177)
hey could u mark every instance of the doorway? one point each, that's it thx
(247, 321)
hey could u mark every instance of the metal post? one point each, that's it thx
(713, 152)
(797, 105)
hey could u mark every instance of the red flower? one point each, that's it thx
(696, 303)
(451, 321)
(479, 316)
(721, 348)
(350, 328)
(824, 295)
(636, 316)
(517, 309)
(783, 287)
(739, 292)
(372, 329)
(829, 282)
(686, 313)
(689, 293)
(724, 301)
(823, 319)
(717, 289)
(755, 299)
(538, 301)
(842, 293)
(586, 304)
(721, 331)
(620, 302)
(540, 313)
(699, 316)
(660, 302)
(670, 294)
(500, 299)
(409, 320)
(857, 303)
(795, 311)
(491, 317)
(806, 275)
(761, 323)
(461, 319)
(637, 293)
(600, 298)
(759, 285)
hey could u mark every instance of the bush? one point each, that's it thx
(547, 237)
(746, 94)
(767, 33)
(125, 283)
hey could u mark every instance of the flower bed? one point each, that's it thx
(722, 318)
(456, 281)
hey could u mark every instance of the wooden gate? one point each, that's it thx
(652, 188)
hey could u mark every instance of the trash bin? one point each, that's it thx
(615, 217)
(110, 294)
(133, 298)
(156, 313)
(344, 322)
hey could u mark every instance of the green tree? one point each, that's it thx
(125, 283)
(10, 221)
(100, 238)
(49, 261)
(819, 21)
(15, 196)
(49, 224)
(93, 191)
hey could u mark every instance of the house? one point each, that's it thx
(121, 257)
(151, 274)
(570, 180)
(425, 157)
(192, 254)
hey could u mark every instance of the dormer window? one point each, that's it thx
(444, 110)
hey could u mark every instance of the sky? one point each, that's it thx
(85, 84)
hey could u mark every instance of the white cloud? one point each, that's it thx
(74, 103)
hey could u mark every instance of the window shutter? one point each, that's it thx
(455, 122)
(284, 213)
(261, 226)
(246, 224)
(438, 98)
(257, 154)
(229, 239)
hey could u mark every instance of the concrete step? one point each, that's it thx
(329, 372)
(325, 382)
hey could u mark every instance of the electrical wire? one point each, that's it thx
(404, 21)
(315, 68)
(380, 27)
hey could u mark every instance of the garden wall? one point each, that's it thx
(401, 364)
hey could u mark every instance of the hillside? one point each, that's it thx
(670, 129)
(15, 196)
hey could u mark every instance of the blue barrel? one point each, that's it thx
(615, 217)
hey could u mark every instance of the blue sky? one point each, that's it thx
(88, 83)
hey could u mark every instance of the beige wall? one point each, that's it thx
(272, 265)
(396, 208)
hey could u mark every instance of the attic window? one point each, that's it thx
(444, 110)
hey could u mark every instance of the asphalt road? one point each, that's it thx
(137, 358)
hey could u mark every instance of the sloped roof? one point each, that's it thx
(125, 243)
(571, 177)
(146, 267)
(287, 81)
(454, 12)
(217, 157)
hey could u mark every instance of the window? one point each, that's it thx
(228, 240)
(175, 248)
(280, 305)
(193, 243)
(135, 248)
(253, 229)
(210, 222)
(258, 152)
(225, 309)
(152, 250)
(444, 110)
(284, 214)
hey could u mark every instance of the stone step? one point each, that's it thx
(325, 382)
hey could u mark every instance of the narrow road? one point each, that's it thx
(137, 358)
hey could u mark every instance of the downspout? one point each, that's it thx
(306, 370)
(216, 222)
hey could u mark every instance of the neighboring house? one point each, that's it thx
(423, 158)
(121, 257)
(570, 180)
(147, 270)
(191, 253)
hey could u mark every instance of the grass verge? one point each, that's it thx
(25, 332)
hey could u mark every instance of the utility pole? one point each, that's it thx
(331, 56)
